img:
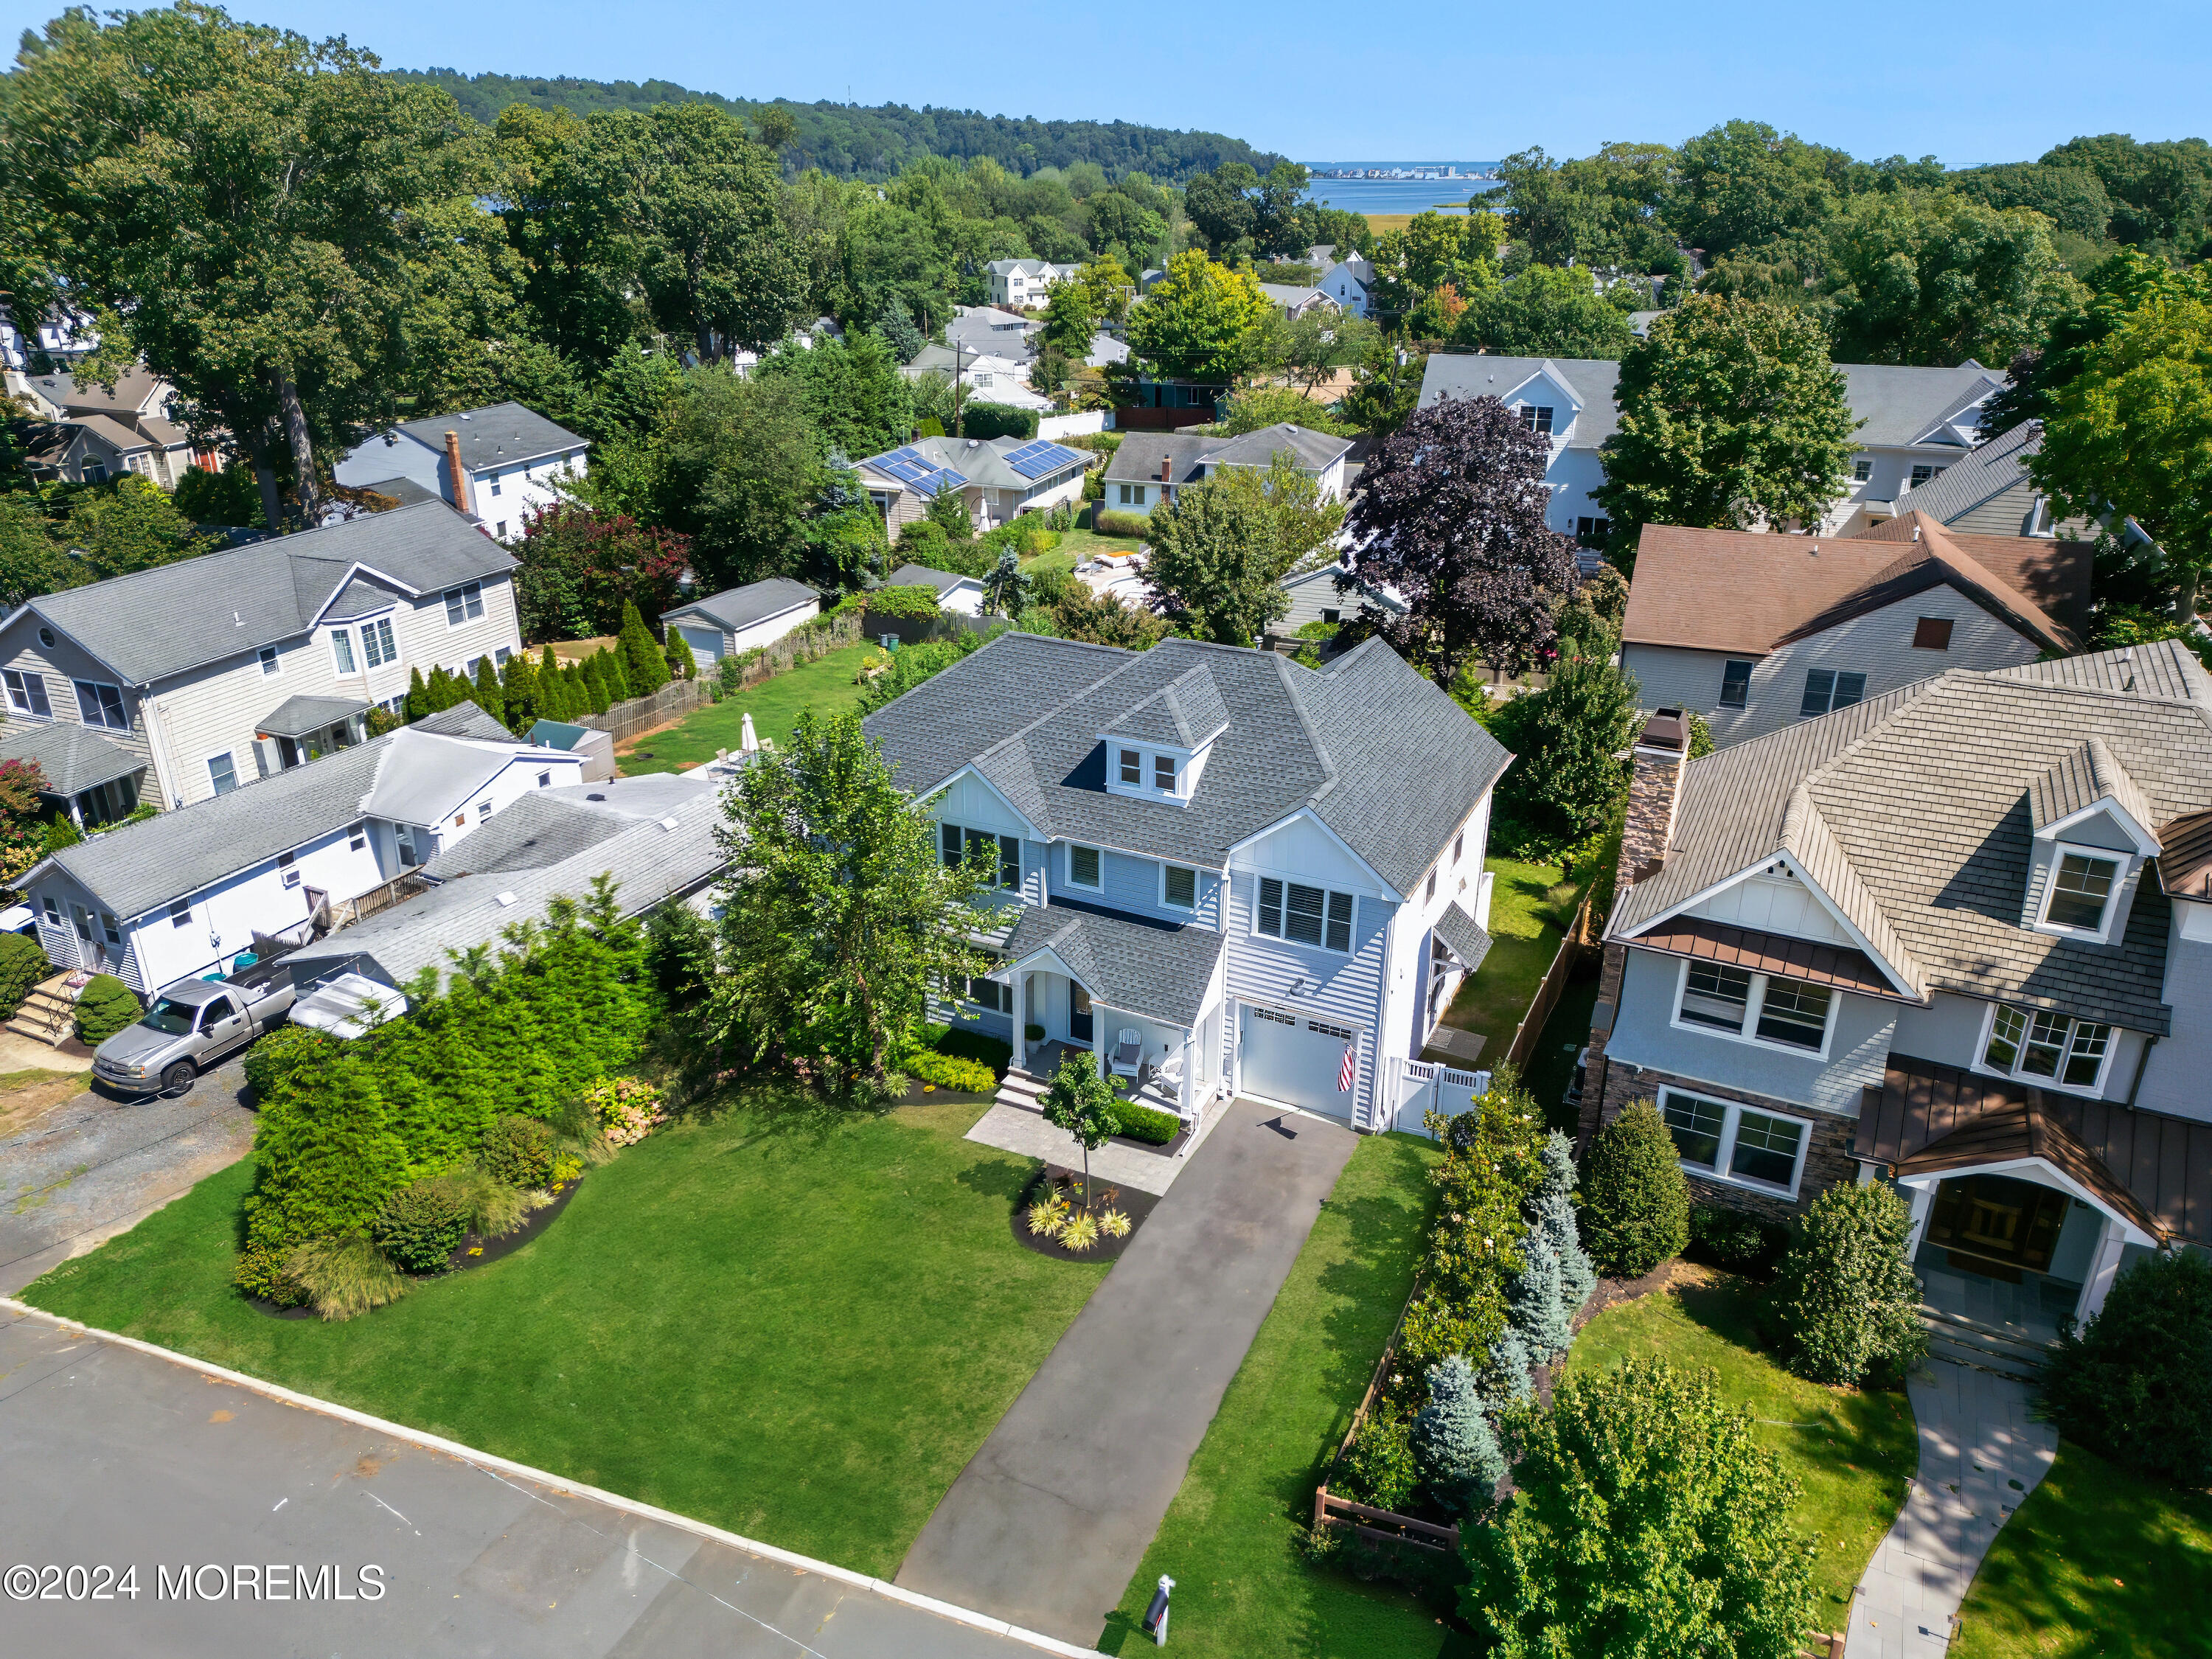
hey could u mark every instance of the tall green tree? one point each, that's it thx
(1201, 321)
(744, 467)
(1936, 279)
(567, 188)
(1731, 416)
(838, 917)
(1544, 313)
(1567, 738)
(130, 524)
(1215, 563)
(644, 665)
(716, 257)
(233, 200)
(1742, 182)
(851, 390)
(2128, 430)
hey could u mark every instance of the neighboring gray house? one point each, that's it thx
(999, 478)
(100, 433)
(1756, 631)
(963, 594)
(1149, 467)
(511, 461)
(1314, 597)
(1234, 874)
(1959, 937)
(1986, 492)
(1294, 300)
(1915, 422)
(243, 663)
(183, 892)
(741, 618)
(994, 332)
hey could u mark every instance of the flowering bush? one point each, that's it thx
(629, 1107)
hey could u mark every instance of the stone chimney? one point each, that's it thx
(454, 470)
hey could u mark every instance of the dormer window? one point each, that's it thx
(2082, 891)
(1132, 768)
(1163, 773)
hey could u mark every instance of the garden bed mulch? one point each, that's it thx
(487, 1250)
(917, 1093)
(1128, 1200)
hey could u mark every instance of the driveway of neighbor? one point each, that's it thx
(1045, 1526)
(97, 1165)
(120, 1457)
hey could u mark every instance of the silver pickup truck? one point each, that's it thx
(193, 1026)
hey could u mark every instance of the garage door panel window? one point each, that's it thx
(1306, 915)
(1743, 1145)
(1758, 1008)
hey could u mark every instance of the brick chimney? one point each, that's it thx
(1166, 470)
(1655, 786)
(454, 471)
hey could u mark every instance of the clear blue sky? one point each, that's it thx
(1967, 83)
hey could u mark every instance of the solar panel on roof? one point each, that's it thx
(1034, 460)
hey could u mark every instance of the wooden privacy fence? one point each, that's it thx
(1383, 1527)
(671, 702)
(801, 644)
(681, 698)
(1531, 1028)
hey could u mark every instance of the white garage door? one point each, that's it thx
(1296, 1060)
(706, 643)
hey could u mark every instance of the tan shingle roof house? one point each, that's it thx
(1957, 935)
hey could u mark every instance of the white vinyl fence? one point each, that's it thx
(1425, 1086)
(1069, 425)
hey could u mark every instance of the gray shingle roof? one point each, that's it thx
(1592, 380)
(161, 622)
(463, 720)
(1979, 475)
(364, 596)
(1313, 450)
(504, 434)
(71, 758)
(741, 607)
(536, 830)
(1184, 713)
(1915, 812)
(1463, 935)
(1138, 459)
(295, 717)
(1387, 761)
(920, 576)
(1159, 972)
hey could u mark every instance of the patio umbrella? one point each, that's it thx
(747, 739)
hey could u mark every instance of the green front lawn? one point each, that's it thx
(1851, 1452)
(1230, 1537)
(825, 685)
(2098, 1562)
(1077, 545)
(793, 1322)
(1531, 907)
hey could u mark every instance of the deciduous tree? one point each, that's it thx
(1215, 562)
(1544, 312)
(716, 258)
(1201, 321)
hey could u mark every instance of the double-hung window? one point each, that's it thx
(987, 993)
(1537, 417)
(2080, 892)
(1861, 471)
(1178, 887)
(1163, 773)
(180, 912)
(956, 844)
(357, 838)
(1784, 1013)
(1084, 868)
(463, 604)
(1306, 915)
(270, 666)
(1827, 689)
(222, 773)
(1738, 1144)
(1736, 684)
(1132, 766)
(377, 644)
(26, 693)
(342, 650)
(287, 870)
(102, 705)
(2037, 1043)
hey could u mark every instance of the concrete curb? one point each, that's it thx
(523, 1471)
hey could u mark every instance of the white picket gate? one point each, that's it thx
(1425, 1086)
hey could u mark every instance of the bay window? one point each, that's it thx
(2037, 1044)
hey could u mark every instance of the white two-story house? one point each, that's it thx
(1232, 873)
(500, 464)
(1958, 937)
(239, 664)
(1024, 283)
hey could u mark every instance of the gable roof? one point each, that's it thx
(1753, 592)
(1591, 379)
(1156, 970)
(499, 435)
(1138, 458)
(154, 624)
(1980, 476)
(2079, 778)
(920, 576)
(926, 465)
(69, 757)
(136, 389)
(738, 608)
(2055, 571)
(1386, 761)
(1913, 813)
(1186, 712)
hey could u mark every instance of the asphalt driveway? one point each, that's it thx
(97, 1164)
(1045, 1526)
(307, 1533)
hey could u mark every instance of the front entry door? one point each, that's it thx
(2004, 1225)
(1079, 1020)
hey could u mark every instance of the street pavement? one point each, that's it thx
(1046, 1525)
(231, 1522)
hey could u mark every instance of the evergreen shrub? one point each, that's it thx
(1378, 1467)
(1725, 1236)
(2136, 1383)
(23, 967)
(1453, 1443)
(1146, 1123)
(965, 1044)
(1636, 1205)
(419, 1225)
(104, 1007)
(1845, 1304)
(519, 1150)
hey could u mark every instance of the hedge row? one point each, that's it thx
(1146, 1123)
(344, 1125)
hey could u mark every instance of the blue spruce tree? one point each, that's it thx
(1453, 1443)
(1533, 1304)
(1552, 1209)
(1504, 1380)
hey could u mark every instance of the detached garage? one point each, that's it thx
(743, 619)
(1298, 1059)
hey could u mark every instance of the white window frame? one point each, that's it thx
(104, 723)
(1732, 1113)
(1351, 931)
(342, 659)
(216, 777)
(2093, 1090)
(379, 647)
(1863, 471)
(1174, 769)
(1097, 886)
(288, 869)
(1167, 904)
(1748, 1033)
(180, 912)
(22, 683)
(271, 661)
(2122, 864)
(462, 598)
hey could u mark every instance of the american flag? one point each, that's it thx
(1346, 1072)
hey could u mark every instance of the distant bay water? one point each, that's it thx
(1397, 195)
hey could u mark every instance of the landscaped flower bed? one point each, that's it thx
(1051, 1219)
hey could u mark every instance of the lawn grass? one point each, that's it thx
(1551, 1066)
(1230, 1537)
(1081, 544)
(825, 685)
(2098, 1561)
(1531, 907)
(793, 1322)
(1849, 1451)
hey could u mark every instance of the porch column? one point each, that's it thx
(1923, 1201)
(1021, 1043)
(2111, 1241)
(1098, 1035)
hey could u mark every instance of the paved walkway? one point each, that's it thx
(1021, 1130)
(1980, 1455)
(99, 1164)
(1047, 1525)
(120, 1457)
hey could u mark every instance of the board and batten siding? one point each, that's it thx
(1878, 645)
